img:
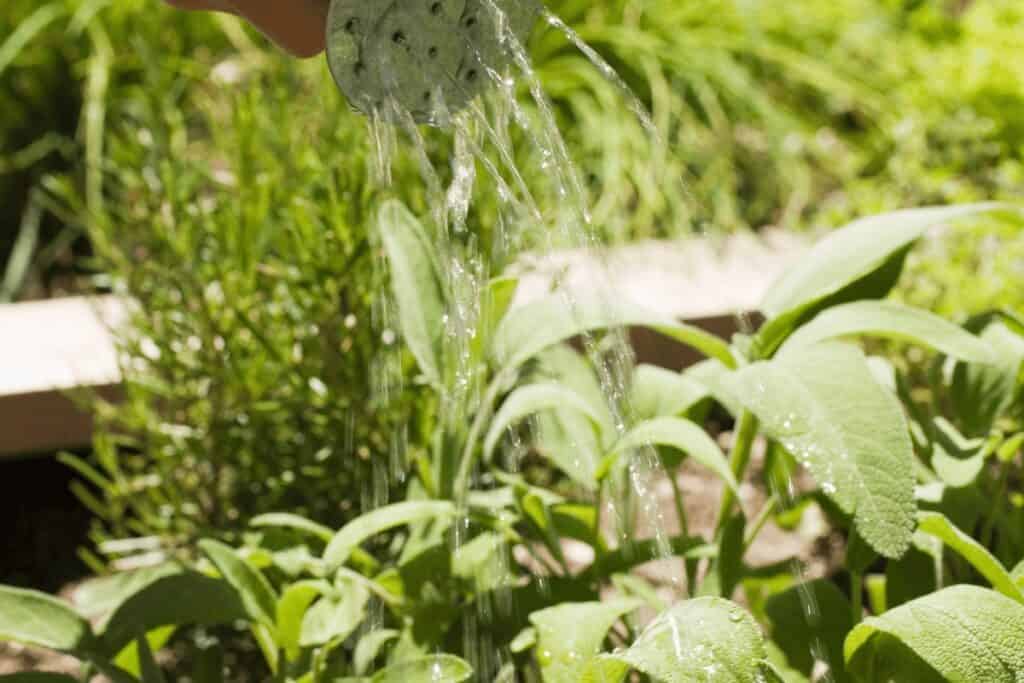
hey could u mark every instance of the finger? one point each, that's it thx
(299, 26)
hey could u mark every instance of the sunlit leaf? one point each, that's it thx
(434, 669)
(34, 618)
(253, 588)
(966, 634)
(379, 520)
(571, 634)
(825, 407)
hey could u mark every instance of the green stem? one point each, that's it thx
(762, 518)
(988, 530)
(684, 529)
(470, 450)
(856, 597)
(739, 458)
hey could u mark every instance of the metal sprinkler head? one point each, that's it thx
(422, 56)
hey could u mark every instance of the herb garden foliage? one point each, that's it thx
(928, 495)
(776, 112)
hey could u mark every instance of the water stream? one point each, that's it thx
(483, 138)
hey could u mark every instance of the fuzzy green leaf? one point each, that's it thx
(291, 610)
(415, 285)
(855, 251)
(684, 436)
(285, 520)
(370, 647)
(823, 404)
(699, 640)
(657, 392)
(253, 588)
(335, 616)
(533, 327)
(966, 634)
(433, 669)
(536, 398)
(980, 394)
(571, 634)
(891, 320)
(814, 616)
(211, 602)
(372, 523)
(937, 525)
(34, 618)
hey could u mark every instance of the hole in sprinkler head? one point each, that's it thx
(359, 68)
(352, 25)
(426, 96)
(471, 75)
(435, 8)
(470, 22)
(398, 38)
(432, 52)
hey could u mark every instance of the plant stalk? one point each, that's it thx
(739, 459)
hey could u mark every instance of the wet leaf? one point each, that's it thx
(825, 407)
(284, 520)
(335, 616)
(980, 394)
(966, 634)
(434, 669)
(533, 327)
(681, 435)
(415, 285)
(372, 523)
(291, 610)
(253, 588)
(34, 618)
(813, 616)
(937, 525)
(536, 398)
(699, 640)
(102, 595)
(853, 252)
(571, 634)
(211, 602)
(891, 320)
(370, 647)
(657, 392)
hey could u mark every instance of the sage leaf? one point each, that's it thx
(535, 326)
(335, 616)
(571, 634)
(937, 525)
(372, 523)
(291, 610)
(699, 640)
(853, 252)
(891, 320)
(966, 634)
(285, 520)
(434, 669)
(656, 392)
(981, 394)
(416, 286)
(253, 588)
(813, 616)
(34, 618)
(825, 407)
(369, 648)
(682, 435)
(211, 602)
(536, 398)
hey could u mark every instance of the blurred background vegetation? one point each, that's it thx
(176, 158)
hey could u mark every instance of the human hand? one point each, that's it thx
(299, 26)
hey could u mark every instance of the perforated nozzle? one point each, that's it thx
(424, 56)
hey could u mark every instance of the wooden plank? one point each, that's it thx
(48, 348)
